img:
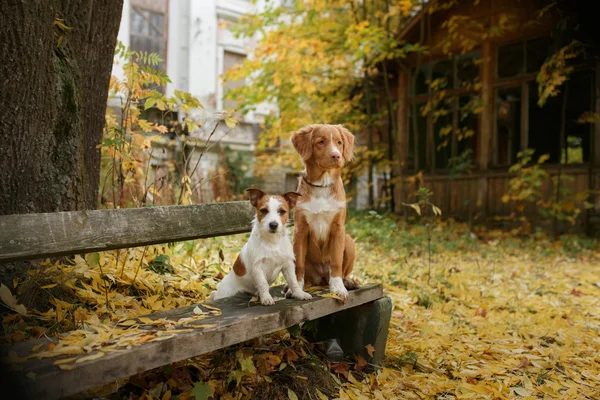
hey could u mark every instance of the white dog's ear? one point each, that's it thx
(302, 141)
(291, 198)
(348, 139)
(255, 195)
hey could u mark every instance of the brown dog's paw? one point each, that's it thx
(351, 283)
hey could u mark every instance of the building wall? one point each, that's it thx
(509, 102)
(200, 46)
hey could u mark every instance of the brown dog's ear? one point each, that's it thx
(348, 139)
(255, 195)
(291, 198)
(302, 141)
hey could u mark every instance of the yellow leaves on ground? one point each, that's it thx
(505, 319)
(113, 290)
(493, 317)
(8, 299)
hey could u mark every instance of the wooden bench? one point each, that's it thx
(363, 320)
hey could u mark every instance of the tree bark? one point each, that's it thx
(52, 101)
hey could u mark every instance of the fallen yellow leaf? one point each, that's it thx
(90, 357)
(49, 286)
(37, 347)
(64, 361)
(331, 295)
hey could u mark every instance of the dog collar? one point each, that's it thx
(314, 185)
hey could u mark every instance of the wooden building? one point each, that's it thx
(474, 97)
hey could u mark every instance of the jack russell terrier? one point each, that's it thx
(324, 252)
(267, 252)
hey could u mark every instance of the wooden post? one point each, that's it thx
(356, 328)
(524, 117)
(596, 132)
(486, 131)
(488, 57)
(430, 144)
(593, 183)
(455, 126)
(401, 142)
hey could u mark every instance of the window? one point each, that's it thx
(524, 57)
(421, 85)
(545, 123)
(510, 60)
(416, 139)
(580, 95)
(521, 123)
(466, 140)
(442, 130)
(231, 59)
(537, 50)
(148, 33)
(443, 113)
(508, 125)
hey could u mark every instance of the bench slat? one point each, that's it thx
(240, 321)
(31, 236)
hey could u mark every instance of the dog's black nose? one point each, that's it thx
(273, 225)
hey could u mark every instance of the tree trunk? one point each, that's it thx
(53, 93)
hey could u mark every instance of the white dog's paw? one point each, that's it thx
(266, 299)
(336, 285)
(302, 295)
(289, 293)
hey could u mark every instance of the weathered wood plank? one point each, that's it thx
(31, 236)
(240, 321)
(357, 328)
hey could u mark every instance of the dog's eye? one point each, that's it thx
(340, 142)
(281, 212)
(321, 142)
(264, 211)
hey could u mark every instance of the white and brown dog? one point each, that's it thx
(324, 252)
(267, 252)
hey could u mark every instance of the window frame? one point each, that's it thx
(221, 70)
(161, 39)
(453, 94)
(522, 80)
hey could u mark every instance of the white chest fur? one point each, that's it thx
(320, 210)
(271, 254)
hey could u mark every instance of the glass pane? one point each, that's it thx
(510, 60)
(443, 71)
(156, 24)
(467, 69)
(442, 131)
(231, 59)
(579, 101)
(466, 137)
(421, 130)
(544, 125)
(421, 84)
(138, 23)
(508, 125)
(537, 51)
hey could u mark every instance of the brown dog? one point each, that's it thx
(324, 253)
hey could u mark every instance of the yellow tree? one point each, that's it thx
(324, 61)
